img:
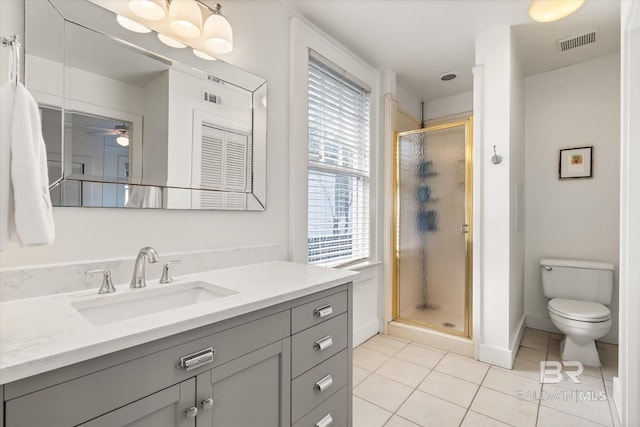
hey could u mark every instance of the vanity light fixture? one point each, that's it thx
(200, 54)
(132, 25)
(153, 10)
(185, 18)
(553, 10)
(217, 32)
(185, 23)
(171, 42)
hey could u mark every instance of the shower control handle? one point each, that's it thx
(464, 228)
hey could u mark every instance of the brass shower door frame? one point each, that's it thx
(468, 126)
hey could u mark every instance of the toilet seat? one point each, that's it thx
(582, 311)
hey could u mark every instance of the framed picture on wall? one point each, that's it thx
(576, 163)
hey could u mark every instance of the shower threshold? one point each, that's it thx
(432, 338)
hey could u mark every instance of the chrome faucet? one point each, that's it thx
(138, 269)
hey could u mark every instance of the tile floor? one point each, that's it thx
(398, 383)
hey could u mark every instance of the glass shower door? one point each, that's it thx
(432, 260)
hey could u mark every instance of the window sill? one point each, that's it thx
(362, 265)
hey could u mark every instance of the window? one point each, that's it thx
(338, 166)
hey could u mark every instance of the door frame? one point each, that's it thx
(468, 298)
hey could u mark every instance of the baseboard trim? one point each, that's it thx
(542, 322)
(617, 397)
(503, 357)
(365, 332)
(515, 345)
(495, 355)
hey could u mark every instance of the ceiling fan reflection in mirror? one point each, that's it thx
(120, 131)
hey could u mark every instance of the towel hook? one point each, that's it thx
(13, 42)
(495, 159)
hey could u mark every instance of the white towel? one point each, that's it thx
(33, 214)
(141, 196)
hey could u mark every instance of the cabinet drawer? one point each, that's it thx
(307, 315)
(81, 399)
(318, 384)
(309, 349)
(334, 408)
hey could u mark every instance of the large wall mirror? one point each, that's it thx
(130, 122)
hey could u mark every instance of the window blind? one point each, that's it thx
(338, 168)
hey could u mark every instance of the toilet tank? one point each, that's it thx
(577, 279)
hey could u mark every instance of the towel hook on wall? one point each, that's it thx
(495, 159)
(14, 70)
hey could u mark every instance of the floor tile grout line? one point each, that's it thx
(546, 357)
(548, 354)
(399, 416)
(416, 388)
(376, 405)
(540, 405)
(575, 416)
(474, 396)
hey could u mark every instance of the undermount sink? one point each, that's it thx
(101, 310)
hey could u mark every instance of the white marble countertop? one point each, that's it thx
(45, 333)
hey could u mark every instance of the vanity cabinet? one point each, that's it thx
(321, 362)
(161, 409)
(249, 391)
(279, 366)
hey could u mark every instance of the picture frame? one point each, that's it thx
(576, 163)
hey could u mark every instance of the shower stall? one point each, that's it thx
(432, 227)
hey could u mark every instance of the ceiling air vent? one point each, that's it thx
(577, 40)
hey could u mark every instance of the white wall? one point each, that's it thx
(11, 22)
(516, 202)
(449, 106)
(408, 102)
(627, 389)
(574, 106)
(497, 288)
(261, 36)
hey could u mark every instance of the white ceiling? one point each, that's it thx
(422, 39)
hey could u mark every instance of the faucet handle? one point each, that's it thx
(107, 285)
(166, 274)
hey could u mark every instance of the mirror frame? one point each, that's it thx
(96, 18)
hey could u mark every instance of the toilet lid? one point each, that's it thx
(579, 310)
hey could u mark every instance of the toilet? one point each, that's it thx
(580, 292)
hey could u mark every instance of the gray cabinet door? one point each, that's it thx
(166, 408)
(253, 390)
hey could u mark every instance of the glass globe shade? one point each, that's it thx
(132, 25)
(185, 18)
(153, 10)
(218, 35)
(553, 10)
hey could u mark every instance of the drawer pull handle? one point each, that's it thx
(197, 359)
(323, 343)
(191, 412)
(323, 311)
(323, 384)
(326, 421)
(207, 404)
